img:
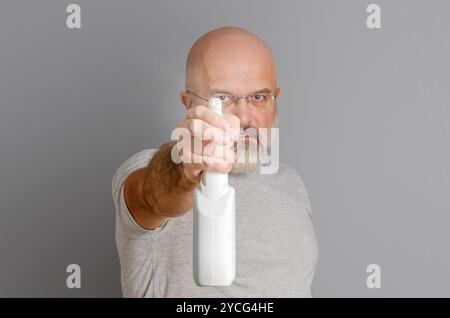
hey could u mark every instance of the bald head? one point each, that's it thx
(231, 59)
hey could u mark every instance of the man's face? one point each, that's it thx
(240, 70)
(241, 75)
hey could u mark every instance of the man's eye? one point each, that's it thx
(224, 98)
(258, 98)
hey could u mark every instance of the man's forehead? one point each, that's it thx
(231, 72)
(230, 54)
(238, 55)
(238, 80)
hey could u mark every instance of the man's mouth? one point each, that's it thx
(247, 137)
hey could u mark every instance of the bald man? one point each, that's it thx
(276, 249)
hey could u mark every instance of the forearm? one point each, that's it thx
(166, 188)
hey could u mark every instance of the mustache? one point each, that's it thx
(255, 140)
(250, 131)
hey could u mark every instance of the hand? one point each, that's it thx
(211, 136)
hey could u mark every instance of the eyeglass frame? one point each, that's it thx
(235, 99)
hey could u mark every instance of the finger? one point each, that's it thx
(192, 173)
(198, 162)
(211, 154)
(197, 146)
(209, 149)
(207, 114)
(198, 127)
(204, 131)
(232, 134)
(219, 151)
(221, 167)
(234, 121)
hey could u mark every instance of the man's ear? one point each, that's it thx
(186, 100)
(277, 92)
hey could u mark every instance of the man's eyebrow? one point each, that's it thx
(213, 91)
(264, 90)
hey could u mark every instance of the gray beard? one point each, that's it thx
(249, 157)
(245, 160)
(243, 163)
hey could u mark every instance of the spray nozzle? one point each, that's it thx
(211, 179)
(216, 105)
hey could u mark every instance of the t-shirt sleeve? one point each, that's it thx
(125, 221)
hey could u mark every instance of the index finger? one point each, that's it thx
(208, 115)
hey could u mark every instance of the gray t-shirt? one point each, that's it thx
(276, 248)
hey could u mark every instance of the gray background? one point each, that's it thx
(364, 118)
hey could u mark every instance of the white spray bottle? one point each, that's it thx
(214, 232)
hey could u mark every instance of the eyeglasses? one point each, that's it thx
(259, 100)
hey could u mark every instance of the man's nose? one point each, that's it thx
(243, 112)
